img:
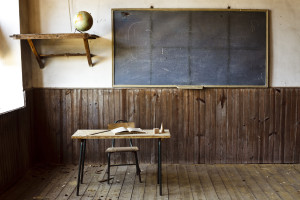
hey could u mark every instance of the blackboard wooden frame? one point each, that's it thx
(266, 78)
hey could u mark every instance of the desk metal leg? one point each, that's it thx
(159, 167)
(158, 160)
(82, 142)
(83, 159)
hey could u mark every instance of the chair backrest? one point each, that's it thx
(118, 124)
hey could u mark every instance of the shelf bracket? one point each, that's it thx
(36, 54)
(88, 54)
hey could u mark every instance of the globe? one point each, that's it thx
(83, 21)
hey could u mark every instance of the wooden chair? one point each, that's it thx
(113, 149)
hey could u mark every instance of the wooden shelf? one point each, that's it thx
(57, 36)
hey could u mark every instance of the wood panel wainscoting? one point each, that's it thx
(16, 143)
(208, 126)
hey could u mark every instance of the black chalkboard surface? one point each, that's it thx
(211, 48)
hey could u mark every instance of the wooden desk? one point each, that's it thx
(83, 135)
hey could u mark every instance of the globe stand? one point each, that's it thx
(78, 31)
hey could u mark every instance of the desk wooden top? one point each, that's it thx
(86, 134)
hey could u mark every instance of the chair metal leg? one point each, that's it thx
(108, 167)
(138, 170)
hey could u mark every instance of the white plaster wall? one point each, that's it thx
(55, 16)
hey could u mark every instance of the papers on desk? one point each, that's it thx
(123, 130)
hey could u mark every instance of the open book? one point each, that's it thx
(123, 130)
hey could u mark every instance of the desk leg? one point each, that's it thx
(83, 159)
(159, 167)
(80, 164)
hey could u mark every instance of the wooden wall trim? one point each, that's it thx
(207, 126)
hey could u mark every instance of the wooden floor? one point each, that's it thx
(210, 182)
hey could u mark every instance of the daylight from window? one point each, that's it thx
(11, 87)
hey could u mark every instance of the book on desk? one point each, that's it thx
(123, 130)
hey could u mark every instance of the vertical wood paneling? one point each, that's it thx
(202, 127)
(16, 143)
(235, 126)
(207, 126)
(89, 118)
(261, 125)
(67, 124)
(277, 131)
(240, 131)
(297, 149)
(169, 122)
(266, 122)
(164, 119)
(191, 132)
(180, 106)
(272, 132)
(174, 127)
(208, 113)
(185, 122)
(221, 126)
(229, 131)
(142, 123)
(101, 143)
(246, 120)
(288, 125)
(196, 122)
(148, 124)
(77, 122)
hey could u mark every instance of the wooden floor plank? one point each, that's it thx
(184, 183)
(261, 182)
(129, 181)
(50, 183)
(196, 187)
(117, 184)
(66, 174)
(281, 180)
(250, 182)
(297, 167)
(208, 188)
(104, 188)
(237, 181)
(88, 176)
(94, 184)
(39, 184)
(33, 182)
(165, 194)
(217, 182)
(272, 182)
(231, 189)
(173, 183)
(288, 171)
(139, 188)
(151, 183)
(71, 185)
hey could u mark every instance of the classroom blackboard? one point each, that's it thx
(169, 47)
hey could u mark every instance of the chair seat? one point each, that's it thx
(121, 149)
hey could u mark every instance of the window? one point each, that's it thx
(11, 86)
